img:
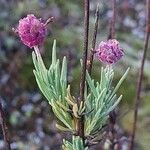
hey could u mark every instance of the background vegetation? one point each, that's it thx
(29, 118)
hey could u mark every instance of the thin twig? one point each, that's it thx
(84, 65)
(4, 128)
(90, 63)
(112, 21)
(112, 115)
(139, 84)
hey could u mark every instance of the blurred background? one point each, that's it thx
(29, 117)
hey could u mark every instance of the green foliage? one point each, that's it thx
(77, 144)
(101, 100)
(53, 84)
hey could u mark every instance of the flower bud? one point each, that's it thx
(109, 52)
(31, 31)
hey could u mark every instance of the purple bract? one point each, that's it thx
(31, 31)
(109, 52)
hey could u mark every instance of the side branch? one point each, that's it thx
(90, 63)
(139, 84)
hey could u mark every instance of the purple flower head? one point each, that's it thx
(31, 31)
(109, 52)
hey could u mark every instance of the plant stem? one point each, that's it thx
(4, 128)
(84, 65)
(112, 115)
(90, 63)
(113, 20)
(139, 84)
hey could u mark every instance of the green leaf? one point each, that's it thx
(62, 116)
(46, 91)
(114, 105)
(120, 81)
(91, 84)
(60, 127)
(57, 78)
(35, 61)
(54, 59)
(63, 78)
(42, 69)
(77, 144)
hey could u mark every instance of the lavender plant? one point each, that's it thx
(100, 98)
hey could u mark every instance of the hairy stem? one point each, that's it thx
(90, 63)
(139, 83)
(4, 128)
(84, 65)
